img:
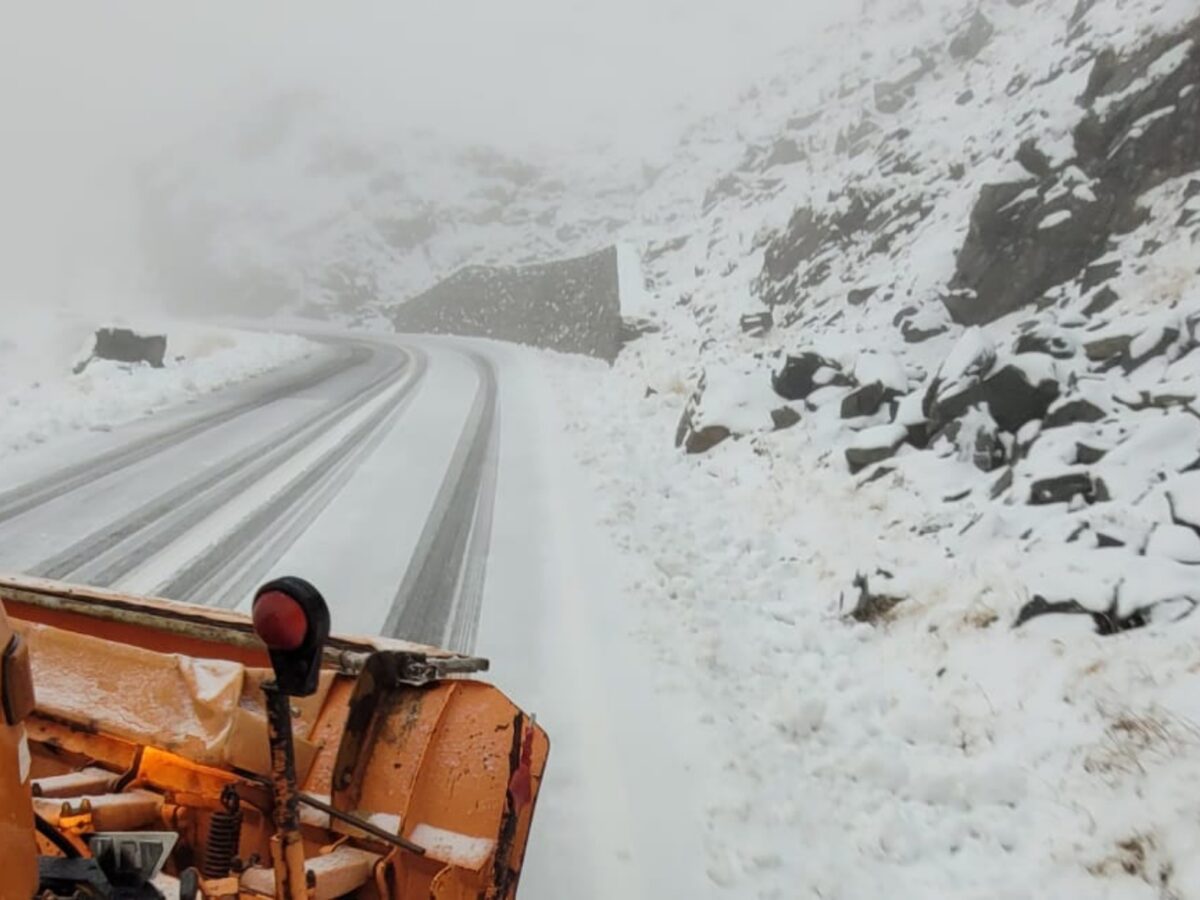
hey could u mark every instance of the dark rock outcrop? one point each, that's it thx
(1010, 398)
(808, 235)
(1027, 237)
(784, 417)
(1020, 244)
(127, 346)
(1073, 412)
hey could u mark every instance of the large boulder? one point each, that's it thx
(1013, 395)
(867, 400)
(881, 379)
(970, 359)
(127, 346)
(804, 373)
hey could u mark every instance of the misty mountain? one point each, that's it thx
(296, 206)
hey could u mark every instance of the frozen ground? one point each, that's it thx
(42, 401)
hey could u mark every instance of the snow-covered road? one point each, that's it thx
(424, 484)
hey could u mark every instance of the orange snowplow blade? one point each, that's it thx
(416, 781)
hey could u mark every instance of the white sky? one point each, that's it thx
(90, 87)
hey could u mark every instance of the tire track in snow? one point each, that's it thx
(226, 572)
(438, 601)
(105, 556)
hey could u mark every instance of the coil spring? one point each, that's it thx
(224, 835)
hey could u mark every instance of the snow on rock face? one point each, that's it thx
(876, 367)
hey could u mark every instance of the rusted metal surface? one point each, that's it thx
(285, 802)
(17, 699)
(16, 814)
(194, 630)
(444, 756)
(71, 745)
(326, 736)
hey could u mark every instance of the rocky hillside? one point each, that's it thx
(989, 257)
(297, 206)
(912, 467)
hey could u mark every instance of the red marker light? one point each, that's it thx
(280, 621)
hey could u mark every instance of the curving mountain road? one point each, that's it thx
(204, 503)
(376, 469)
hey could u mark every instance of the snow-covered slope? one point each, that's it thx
(928, 572)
